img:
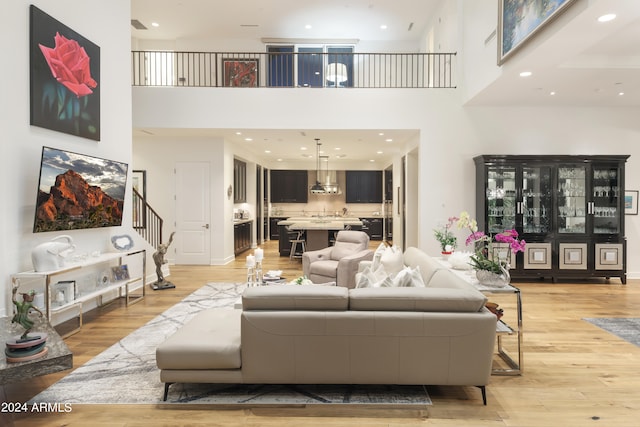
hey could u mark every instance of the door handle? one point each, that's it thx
(206, 226)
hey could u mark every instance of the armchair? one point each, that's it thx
(338, 263)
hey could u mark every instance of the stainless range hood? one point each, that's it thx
(331, 186)
(326, 184)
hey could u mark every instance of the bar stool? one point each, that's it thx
(297, 239)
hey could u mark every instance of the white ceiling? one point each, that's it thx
(255, 19)
(296, 148)
(584, 62)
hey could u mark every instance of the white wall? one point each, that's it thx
(159, 156)
(107, 25)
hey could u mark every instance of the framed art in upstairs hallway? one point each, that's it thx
(240, 72)
(64, 78)
(521, 20)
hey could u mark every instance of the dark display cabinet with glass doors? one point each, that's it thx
(569, 210)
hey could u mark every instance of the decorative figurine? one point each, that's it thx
(23, 308)
(158, 258)
(25, 347)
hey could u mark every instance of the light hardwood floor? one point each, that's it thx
(574, 373)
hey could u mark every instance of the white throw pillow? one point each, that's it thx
(409, 277)
(370, 278)
(392, 260)
(377, 255)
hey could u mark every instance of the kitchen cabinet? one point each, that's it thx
(569, 210)
(242, 233)
(289, 186)
(373, 227)
(284, 240)
(274, 229)
(239, 181)
(363, 186)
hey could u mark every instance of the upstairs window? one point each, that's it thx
(310, 66)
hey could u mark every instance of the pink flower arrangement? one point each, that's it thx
(511, 237)
(480, 260)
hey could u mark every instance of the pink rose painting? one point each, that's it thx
(69, 64)
(65, 74)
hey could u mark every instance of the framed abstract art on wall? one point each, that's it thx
(240, 72)
(519, 21)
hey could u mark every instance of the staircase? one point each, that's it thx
(146, 221)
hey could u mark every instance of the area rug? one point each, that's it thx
(627, 328)
(126, 373)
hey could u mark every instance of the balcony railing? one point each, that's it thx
(293, 69)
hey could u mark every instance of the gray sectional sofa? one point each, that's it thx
(440, 334)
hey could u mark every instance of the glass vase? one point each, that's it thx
(489, 278)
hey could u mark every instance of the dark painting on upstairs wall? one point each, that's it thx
(77, 191)
(520, 20)
(65, 78)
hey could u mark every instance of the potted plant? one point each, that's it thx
(446, 238)
(489, 271)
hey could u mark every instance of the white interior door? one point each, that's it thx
(193, 213)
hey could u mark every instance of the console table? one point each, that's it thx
(58, 357)
(74, 295)
(503, 329)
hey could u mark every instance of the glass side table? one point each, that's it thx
(504, 330)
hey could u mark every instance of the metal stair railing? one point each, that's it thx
(146, 221)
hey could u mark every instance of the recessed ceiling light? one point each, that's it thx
(279, 160)
(238, 133)
(381, 134)
(608, 17)
(620, 93)
(337, 148)
(552, 93)
(389, 140)
(248, 139)
(526, 74)
(383, 27)
(267, 151)
(308, 26)
(379, 152)
(303, 148)
(155, 24)
(372, 161)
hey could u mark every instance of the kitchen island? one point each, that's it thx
(319, 231)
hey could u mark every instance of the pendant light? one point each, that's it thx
(317, 188)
